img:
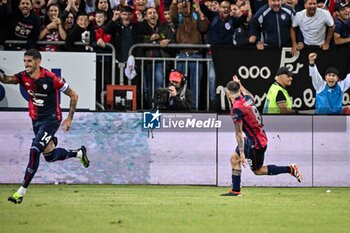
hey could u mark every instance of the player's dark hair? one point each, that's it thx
(233, 86)
(33, 53)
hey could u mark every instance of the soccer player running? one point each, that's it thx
(43, 88)
(251, 148)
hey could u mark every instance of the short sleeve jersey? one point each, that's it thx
(43, 93)
(243, 110)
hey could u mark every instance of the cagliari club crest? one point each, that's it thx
(45, 86)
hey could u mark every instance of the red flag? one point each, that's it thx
(331, 6)
(161, 11)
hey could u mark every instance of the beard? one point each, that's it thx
(30, 70)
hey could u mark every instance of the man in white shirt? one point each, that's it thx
(313, 23)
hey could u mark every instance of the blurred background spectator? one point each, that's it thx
(316, 26)
(271, 25)
(191, 23)
(52, 29)
(24, 25)
(342, 24)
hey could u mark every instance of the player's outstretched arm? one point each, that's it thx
(7, 79)
(243, 90)
(72, 106)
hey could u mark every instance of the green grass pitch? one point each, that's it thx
(164, 209)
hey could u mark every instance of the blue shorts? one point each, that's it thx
(255, 157)
(44, 130)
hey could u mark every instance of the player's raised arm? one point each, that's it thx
(243, 90)
(7, 79)
(72, 106)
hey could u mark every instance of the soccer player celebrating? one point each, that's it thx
(247, 119)
(43, 88)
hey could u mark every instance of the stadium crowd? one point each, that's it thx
(123, 23)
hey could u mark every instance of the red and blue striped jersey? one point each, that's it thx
(243, 110)
(43, 93)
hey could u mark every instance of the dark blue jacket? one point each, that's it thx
(342, 28)
(273, 28)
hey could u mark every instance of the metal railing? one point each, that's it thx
(122, 65)
(175, 61)
(102, 55)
